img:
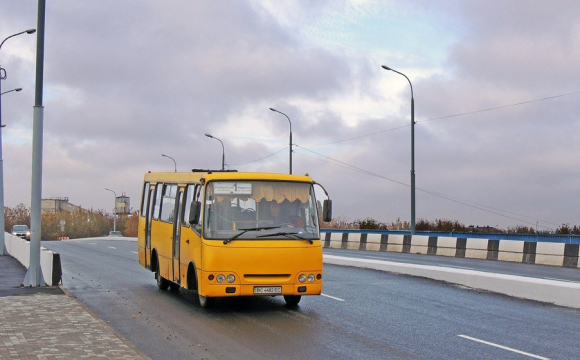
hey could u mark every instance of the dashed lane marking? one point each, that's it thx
(134, 252)
(112, 247)
(333, 298)
(503, 347)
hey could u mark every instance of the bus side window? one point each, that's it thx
(157, 207)
(168, 203)
(145, 199)
(189, 194)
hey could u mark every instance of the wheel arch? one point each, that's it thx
(154, 261)
(192, 276)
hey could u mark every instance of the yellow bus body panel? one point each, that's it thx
(260, 263)
(141, 241)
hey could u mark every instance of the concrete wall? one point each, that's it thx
(49, 261)
(556, 254)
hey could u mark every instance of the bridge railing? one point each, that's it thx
(552, 238)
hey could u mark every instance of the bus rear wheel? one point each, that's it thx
(292, 300)
(162, 283)
(206, 301)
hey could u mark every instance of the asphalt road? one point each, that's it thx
(363, 314)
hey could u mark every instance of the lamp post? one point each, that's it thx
(290, 136)
(114, 210)
(412, 149)
(174, 163)
(223, 150)
(2, 77)
(6, 92)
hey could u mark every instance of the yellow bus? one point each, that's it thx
(228, 233)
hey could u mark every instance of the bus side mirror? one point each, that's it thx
(194, 212)
(327, 210)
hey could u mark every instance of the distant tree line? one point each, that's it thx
(79, 223)
(442, 225)
(94, 223)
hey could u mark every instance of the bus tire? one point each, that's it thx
(174, 287)
(292, 300)
(206, 301)
(162, 284)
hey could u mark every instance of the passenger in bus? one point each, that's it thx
(276, 213)
(284, 214)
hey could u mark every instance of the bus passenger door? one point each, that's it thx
(148, 217)
(177, 235)
(190, 238)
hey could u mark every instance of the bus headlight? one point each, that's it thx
(302, 278)
(310, 278)
(231, 278)
(220, 278)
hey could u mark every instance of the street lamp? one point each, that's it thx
(290, 136)
(6, 92)
(412, 149)
(174, 163)
(114, 210)
(223, 150)
(2, 77)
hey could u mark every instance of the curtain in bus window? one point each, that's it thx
(273, 191)
(279, 192)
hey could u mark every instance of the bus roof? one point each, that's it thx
(222, 175)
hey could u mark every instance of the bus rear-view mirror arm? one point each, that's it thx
(194, 212)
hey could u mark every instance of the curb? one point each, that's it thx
(549, 291)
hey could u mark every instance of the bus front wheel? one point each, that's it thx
(292, 300)
(206, 301)
(162, 283)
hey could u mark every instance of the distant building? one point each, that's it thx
(57, 205)
(122, 205)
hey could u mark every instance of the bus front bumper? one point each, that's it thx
(261, 290)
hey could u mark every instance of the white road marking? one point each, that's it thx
(134, 252)
(332, 297)
(503, 347)
(92, 243)
(112, 247)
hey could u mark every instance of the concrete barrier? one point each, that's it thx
(556, 254)
(49, 261)
(551, 291)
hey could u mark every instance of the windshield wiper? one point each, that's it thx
(243, 231)
(289, 235)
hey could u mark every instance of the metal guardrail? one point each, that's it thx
(563, 239)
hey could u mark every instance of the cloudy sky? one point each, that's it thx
(496, 87)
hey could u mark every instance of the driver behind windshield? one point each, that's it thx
(276, 214)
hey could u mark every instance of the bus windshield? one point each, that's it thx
(279, 210)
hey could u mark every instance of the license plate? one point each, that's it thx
(267, 289)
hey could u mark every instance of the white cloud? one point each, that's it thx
(124, 84)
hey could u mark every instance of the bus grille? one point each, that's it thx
(267, 278)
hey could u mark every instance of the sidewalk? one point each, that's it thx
(48, 323)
